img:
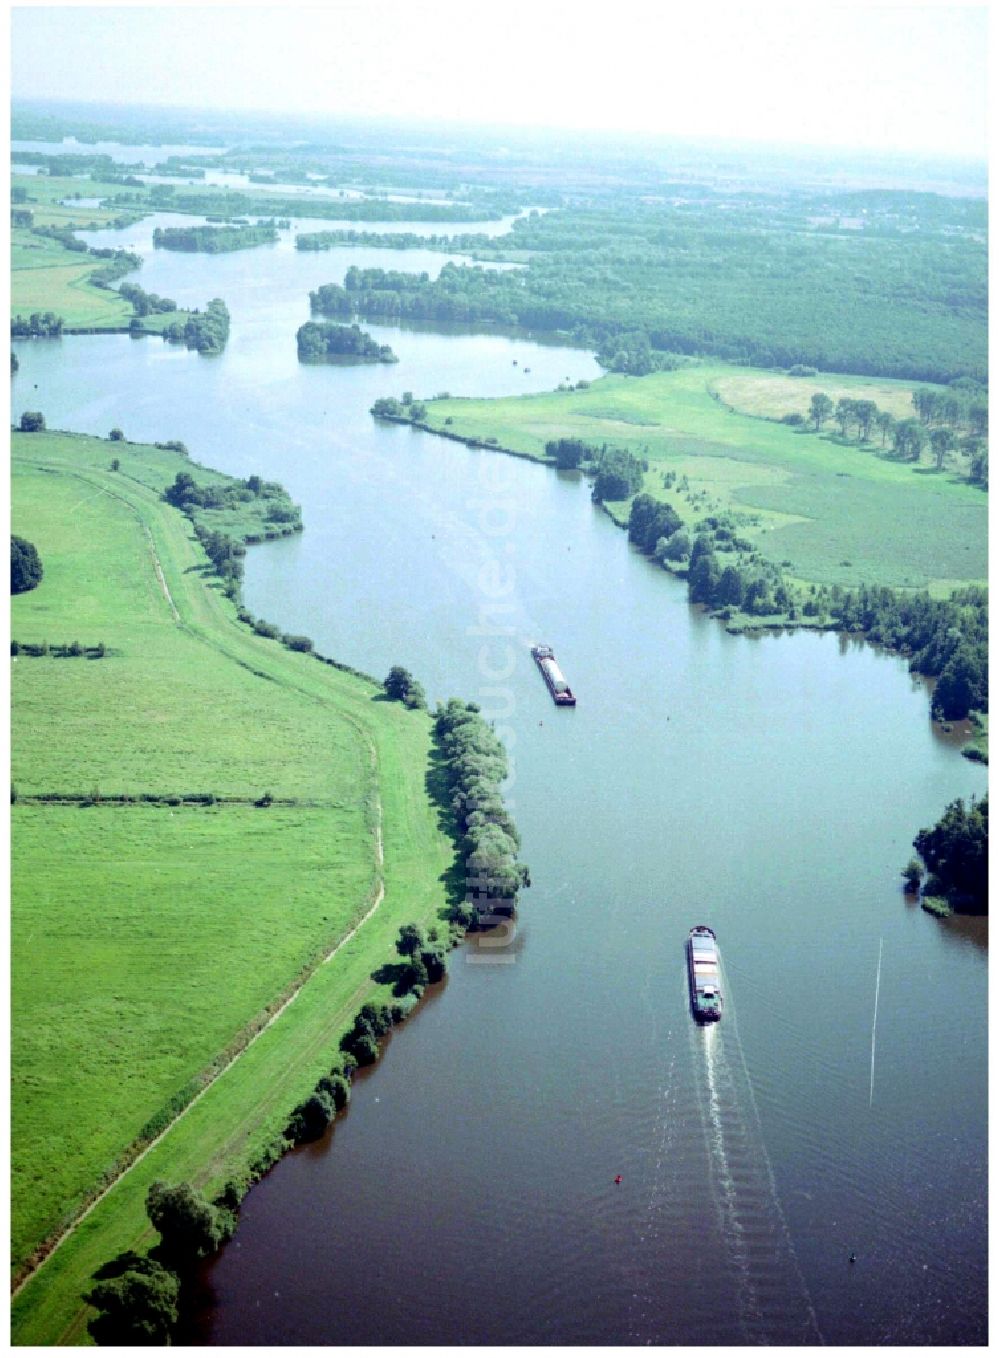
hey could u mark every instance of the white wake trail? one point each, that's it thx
(878, 978)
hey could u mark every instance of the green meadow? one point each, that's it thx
(829, 510)
(45, 276)
(149, 941)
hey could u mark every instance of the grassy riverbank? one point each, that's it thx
(825, 509)
(151, 940)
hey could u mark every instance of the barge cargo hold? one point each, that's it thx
(562, 694)
(703, 974)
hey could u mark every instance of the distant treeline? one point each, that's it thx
(213, 240)
(318, 342)
(172, 169)
(394, 240)
(65, 166)
(227, 203)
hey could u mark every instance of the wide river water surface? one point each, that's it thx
(768, 786)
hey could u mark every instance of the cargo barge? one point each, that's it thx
(562, 694)
(703, 974)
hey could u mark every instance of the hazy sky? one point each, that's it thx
(899, 76)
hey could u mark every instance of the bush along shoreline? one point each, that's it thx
(475, 764)
(267, 510)
(139, 1299)
(954, 853)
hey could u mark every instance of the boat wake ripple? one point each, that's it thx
(774, 1304)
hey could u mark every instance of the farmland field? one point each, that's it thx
(773, 395)
(149, 937)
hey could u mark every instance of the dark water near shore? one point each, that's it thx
(768, 786)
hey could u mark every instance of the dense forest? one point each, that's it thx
(654, 251)
(899, 292)
(320, 342)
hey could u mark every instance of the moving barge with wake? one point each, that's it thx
(703, 974)
(562, 694)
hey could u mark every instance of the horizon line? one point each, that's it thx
(428, 122)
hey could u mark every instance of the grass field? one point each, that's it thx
(837, 512)
(45, 276)
(146, 939)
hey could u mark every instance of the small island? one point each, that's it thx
(214, 240)
(324, 342)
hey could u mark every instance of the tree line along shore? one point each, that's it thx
(774, 523)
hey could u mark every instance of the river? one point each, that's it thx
(768, 786)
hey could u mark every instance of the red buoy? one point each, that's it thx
(618, 1178)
